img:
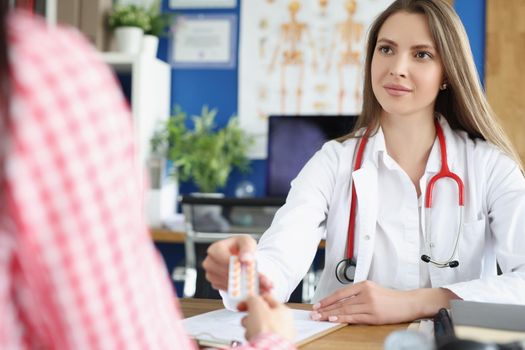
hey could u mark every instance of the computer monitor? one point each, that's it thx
(293, 140)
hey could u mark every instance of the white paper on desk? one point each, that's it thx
(226, 325)
(425, 327)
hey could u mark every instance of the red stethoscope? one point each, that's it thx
(345, 269)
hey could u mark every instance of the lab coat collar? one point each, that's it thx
(376, 148)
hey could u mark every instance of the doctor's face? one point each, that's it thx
(406, 69)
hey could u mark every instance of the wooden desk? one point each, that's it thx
(164, 235)
(350, 337)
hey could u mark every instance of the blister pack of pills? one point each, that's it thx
(243, 279)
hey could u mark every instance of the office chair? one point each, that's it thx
(208, 220)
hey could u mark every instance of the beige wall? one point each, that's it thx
(504, 68)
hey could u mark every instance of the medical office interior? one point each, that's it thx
(285, 76)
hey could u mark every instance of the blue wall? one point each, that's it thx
(217, 88)
(472, 14)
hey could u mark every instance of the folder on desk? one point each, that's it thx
(221, 328)
(488, 321)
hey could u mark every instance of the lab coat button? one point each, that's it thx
(367, 237)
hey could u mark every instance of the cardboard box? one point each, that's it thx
(161, 201)
(94, 23)
(68, 12)
(89, 16)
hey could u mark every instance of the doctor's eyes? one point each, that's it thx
(387, 50)
(423, 55)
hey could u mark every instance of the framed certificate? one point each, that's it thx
(189, 4)
(206, 41)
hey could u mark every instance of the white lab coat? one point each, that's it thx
(318, 205)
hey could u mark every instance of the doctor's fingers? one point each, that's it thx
(265, 285)
(339, 295)
(354, 300)
(217, 281)
(220, 252)
(218, 277)
(355, 319)
(215, 267)
(335, 315)
(242, 245)
(342, 308)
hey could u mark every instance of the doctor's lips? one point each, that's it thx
(396, 90)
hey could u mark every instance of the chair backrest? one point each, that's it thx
(209, 219)
(293, 140)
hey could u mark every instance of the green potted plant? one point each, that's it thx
(204, 154)
(129, 23)
(159, 22)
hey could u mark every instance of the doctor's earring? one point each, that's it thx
(443, 86)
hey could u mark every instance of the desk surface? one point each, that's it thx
(163, 235)
(350, 337)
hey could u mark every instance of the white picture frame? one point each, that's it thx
(204, 41)
(189, 4)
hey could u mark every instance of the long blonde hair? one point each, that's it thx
(463, 103)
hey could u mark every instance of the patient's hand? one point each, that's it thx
(266, 315)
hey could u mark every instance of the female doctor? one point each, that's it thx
(418, 203)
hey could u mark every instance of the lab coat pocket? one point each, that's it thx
(471, 248)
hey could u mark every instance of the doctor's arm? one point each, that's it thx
(505, 202)
(369, 303)
(288, 247)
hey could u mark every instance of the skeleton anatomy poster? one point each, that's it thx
(301, 57)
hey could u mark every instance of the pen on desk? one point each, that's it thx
(218, 343)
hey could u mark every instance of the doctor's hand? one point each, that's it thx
(369, 303)
(218, 259)
(266, 315)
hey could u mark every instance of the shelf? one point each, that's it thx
(232, 202)
(149, 97)
(121, 62)
(150, 93)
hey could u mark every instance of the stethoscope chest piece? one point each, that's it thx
(345, 271)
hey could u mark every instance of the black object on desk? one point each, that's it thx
(488, 315)
(446, 337)
(443, 328)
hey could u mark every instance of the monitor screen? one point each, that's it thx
(293, 140)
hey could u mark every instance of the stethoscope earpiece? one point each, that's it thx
(451, 264)
(425, 258)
